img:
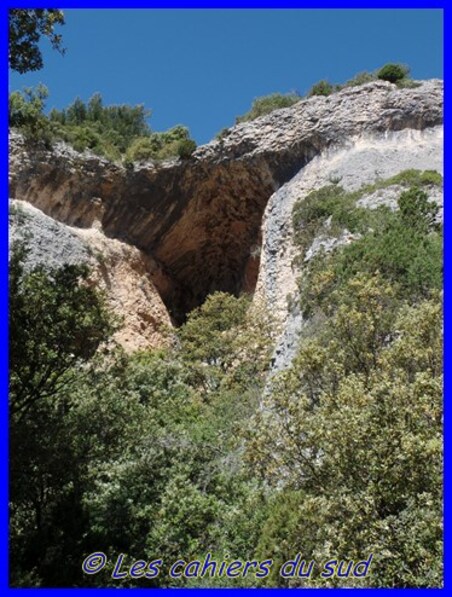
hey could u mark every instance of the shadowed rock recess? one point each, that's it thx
(200, 220)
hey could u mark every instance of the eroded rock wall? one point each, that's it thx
(200, 218)
(201, 221)
(122, 271)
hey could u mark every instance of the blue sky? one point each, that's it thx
(202, 68)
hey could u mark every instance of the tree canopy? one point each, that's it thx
(26, 27)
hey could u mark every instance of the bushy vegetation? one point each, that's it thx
(26, 113)
(393, 72)
(107, 130)
(321, 88)
(159, 146)
(330, 210)
(328, 206)
(116, 132)
(267, 103)
(354, 429)
(405, 245)
(351, 425)
(360, 79)
(137, 455)
(419, 178)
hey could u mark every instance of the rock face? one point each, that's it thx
(361, 160)
(204, 220)
(122, 271)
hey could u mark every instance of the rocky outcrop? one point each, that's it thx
(203, 220)
(121, 271)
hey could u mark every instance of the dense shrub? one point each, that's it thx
(404, 246)
(107, 130)
(416, 211)
(351, 425)
(360, 79)
(139, 454)
(330, 209)
(354, 429)
(141, 149)
(268, 103)
(416, 178)
(26, 113)
(160, 146)
(185, 148)
(321, 88)
(393, 72)
(56, 322)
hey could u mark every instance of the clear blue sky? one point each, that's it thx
(202, 68)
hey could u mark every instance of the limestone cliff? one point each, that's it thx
(121, 271)
(198, 225)
(359, 161)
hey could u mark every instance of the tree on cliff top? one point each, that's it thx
(25, 30)
(393, 72)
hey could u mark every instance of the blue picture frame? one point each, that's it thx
(195, 4)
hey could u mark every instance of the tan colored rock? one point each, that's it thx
(122, 271)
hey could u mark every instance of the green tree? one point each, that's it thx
(185, 148)
(76, 113)
(360, 79)
(404, 246)
(26, 112)
(393, 72)
(95, 108)
(210, 330)
(115, 132)
(416, 211)
(142, 149)
(26, 27)
(56, 322)
(132, 447)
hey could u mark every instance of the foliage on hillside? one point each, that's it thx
(116, 132)
(354, 427)
(405, 245)
(399, 74)
(330, 209)
(140, 455)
